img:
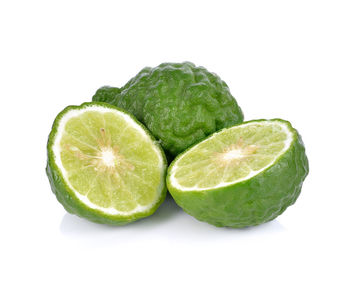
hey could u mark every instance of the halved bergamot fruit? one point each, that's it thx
(104, 165)
(240, 176)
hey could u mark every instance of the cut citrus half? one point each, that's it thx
(240, 176)
(104, 165)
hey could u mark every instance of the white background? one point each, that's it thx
(287, 59)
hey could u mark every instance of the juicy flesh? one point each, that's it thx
(109, 161)
(230, 155)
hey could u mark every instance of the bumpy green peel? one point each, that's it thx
(178, 102)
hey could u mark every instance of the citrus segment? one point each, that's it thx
(231, 155)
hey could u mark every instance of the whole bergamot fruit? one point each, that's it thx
(179, 103)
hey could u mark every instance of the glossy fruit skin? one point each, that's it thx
(67, 197)
(178, 102)
(254, 201)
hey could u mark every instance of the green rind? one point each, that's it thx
(253, 201)
(179, 103)
(67, 197)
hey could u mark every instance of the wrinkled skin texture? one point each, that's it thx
(178, 102)
(253, 201)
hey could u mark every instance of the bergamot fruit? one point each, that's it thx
(104, 165)
(240, 176)
(178, 102)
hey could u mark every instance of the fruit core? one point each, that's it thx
(106, 158)
(235, 153)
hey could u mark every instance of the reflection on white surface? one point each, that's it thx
(169, 223)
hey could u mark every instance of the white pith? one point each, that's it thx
(107, 157)
(233, 154)
(287, 143)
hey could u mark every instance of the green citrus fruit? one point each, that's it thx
(104, 165)
(240, 176)
(178, 102)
